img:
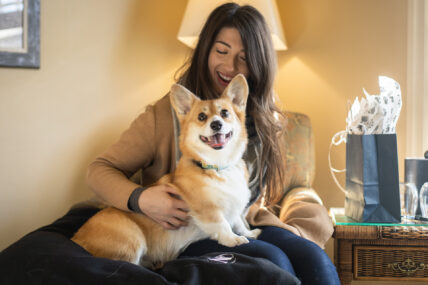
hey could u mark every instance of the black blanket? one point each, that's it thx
(48, 256)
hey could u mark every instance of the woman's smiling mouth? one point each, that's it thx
(223, 79)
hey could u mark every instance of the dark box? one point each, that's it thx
(416, 171)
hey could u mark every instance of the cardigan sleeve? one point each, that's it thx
(303, 209)
(302, 213)
(108, 175)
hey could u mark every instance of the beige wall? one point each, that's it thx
(102, 63)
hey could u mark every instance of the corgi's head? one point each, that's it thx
(212, 131)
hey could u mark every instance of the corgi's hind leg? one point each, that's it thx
(112, 234)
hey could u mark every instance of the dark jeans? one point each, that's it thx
(299, 256)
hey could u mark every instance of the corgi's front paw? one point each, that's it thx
(232, 240)
(254, 233)
(157, 265)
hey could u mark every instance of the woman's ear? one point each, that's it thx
(237, 91)
(181, 99)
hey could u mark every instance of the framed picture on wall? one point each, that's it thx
(20, 33)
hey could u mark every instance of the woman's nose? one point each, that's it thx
(230, 64)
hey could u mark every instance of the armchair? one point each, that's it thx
(300, 210)
(298, 191)
(300, 165)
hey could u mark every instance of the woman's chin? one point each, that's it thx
(220, 86)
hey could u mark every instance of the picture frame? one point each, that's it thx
(25, 54)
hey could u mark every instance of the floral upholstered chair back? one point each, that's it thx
(300, 152)
(300, 155)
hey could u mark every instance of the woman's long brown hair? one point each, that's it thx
(262, 65)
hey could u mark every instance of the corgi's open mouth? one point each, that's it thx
(217, 141)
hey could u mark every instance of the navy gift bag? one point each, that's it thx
(372, 183)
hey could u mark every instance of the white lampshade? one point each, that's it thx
(197, 12)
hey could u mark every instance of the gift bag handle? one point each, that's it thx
(337, 139)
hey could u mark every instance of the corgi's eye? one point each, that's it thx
(202, 117)
(224, 113)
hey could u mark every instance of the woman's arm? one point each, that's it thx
(109, 174)
(136, 149)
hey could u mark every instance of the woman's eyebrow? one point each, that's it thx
(224, 43)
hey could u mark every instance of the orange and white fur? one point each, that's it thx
(212, 133)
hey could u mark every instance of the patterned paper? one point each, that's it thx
(376, 114)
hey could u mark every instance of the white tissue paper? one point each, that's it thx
(376, 114)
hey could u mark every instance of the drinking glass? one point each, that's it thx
(408, 200)
(423, 200)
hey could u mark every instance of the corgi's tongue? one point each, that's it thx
(217, 141)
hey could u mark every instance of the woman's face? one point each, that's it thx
(226, 58)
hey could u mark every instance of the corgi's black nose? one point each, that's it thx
(216, 125)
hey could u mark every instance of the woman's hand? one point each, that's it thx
(163, 204)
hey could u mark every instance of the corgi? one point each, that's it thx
(211, 177)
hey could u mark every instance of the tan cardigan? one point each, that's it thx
(149, 145)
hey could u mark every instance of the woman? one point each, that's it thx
(234, 40)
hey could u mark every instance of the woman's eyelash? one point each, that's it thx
(225, 52)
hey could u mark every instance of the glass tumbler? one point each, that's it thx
(423, 200)
(408, 200)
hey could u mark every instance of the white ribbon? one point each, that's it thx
(337, 139)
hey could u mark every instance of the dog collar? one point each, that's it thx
(208, 166)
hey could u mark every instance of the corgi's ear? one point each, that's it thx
(181, 99)
(237, 91)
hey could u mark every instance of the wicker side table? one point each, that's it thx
(379, 251)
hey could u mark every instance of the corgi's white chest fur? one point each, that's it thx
(231, 193)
